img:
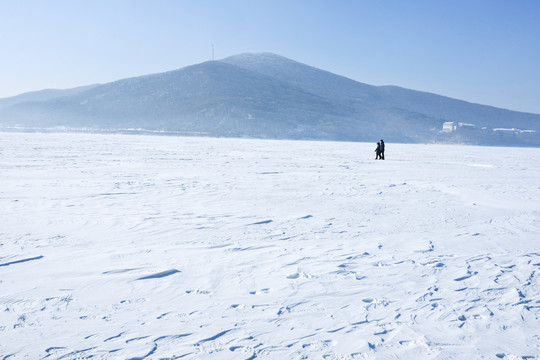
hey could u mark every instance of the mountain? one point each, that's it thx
(269, 96)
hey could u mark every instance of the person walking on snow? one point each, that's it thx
(382, 150)
(378, 151)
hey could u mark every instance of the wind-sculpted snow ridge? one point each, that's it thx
(143, 247)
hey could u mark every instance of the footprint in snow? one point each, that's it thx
(262, 291)
(375, 302)
(299, 275)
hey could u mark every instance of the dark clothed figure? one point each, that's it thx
(382, 149)
(378, 151)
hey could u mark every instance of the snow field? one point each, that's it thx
(148, 247)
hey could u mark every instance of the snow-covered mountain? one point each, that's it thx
(269, 96)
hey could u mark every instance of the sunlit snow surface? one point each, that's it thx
(119, 247)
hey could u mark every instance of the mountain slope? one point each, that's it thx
(311, 79)
(42, 95)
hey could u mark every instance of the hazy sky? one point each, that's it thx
(483, 51)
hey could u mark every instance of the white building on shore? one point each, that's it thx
(449, 126)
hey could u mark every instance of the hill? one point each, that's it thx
(269, 96)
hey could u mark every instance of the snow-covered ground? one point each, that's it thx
(150, 247)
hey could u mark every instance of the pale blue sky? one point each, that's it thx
(483, 51)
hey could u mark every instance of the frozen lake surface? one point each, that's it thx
(148, 247)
